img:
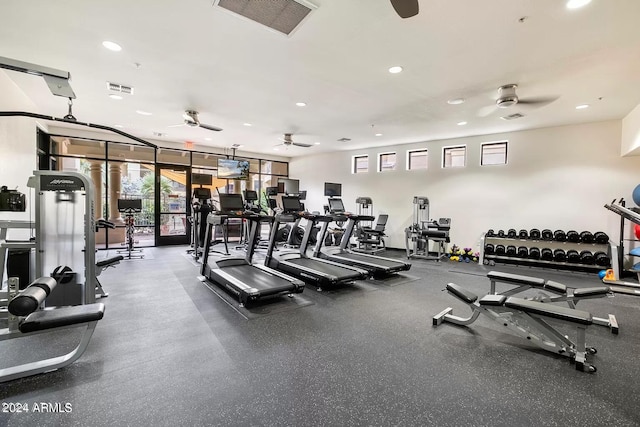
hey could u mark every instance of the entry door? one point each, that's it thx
(173, 187)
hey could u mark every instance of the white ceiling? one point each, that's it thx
(197, 56)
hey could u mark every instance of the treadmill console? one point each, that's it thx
(291, 204)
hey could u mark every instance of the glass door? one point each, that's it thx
(173, 187)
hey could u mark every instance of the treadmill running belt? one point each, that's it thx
(340, 273)
(256, 278)
(370, 262)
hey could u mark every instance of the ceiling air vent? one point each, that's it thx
(115, 87)
(283, 16)
(344, 139)
(512, 116)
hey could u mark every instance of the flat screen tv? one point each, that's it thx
(331, 189)
(291, 186)
(233, 169)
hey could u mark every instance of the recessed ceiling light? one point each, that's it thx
(247, 124)
(378, 134)
(144, 113)
(582, 106)
(395, 70)
(456, 101)
(301, 104)
(575, 4)
(316, 143)
(207, 139)
(462, 123)
(118, 97)
(112, 46)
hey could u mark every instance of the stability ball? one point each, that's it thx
(636, 195)
(636, 231)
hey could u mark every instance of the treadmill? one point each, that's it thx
(247, 281)
(318, 271)
(377, 266)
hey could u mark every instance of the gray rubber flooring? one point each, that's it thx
(171, 352)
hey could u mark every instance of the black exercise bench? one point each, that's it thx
(562, 293)
(527, 319)
(25, 312)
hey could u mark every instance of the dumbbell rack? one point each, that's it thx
(540, 243)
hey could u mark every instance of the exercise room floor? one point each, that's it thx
(171, 352)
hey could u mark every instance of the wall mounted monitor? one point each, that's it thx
(233, 169)
(291, 186)
(332, 189)
(231, 202)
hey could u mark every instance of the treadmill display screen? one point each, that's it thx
(250, 195)
(231, 202)
(291, 204)
(336, 206)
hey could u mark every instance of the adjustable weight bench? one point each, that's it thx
(103, 265)
(562, 293)
(527, 319)
(27, 319)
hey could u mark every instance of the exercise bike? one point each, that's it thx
(129, 207)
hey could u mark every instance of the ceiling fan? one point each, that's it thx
(507, 97)
(191, 119)
(405, 8)
(288, 141)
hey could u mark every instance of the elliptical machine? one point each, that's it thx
(423, 229)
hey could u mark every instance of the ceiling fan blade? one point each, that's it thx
(487, 110)
(299, 144)
(405, 8)
(540, 101)
(208, 127)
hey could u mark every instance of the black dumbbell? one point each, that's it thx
(500, 250)
(534, 253)
(573, 236)
(511, 251)
(573, 256)
(511, 234)
(523, 234)
(559, 255)
(491, 233)
(586, 237)
(602, 259)
(586, 257)
(501, 233)
(489, 249)
(546, 254)
(559, 236)
(546, 234)
(534, 233)
(523, 252)
(601, 237)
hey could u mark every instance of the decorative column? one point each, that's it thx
(115, 177)
(96, 177)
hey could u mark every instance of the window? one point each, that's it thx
(494, 153)
(417, 159)
(454, 157)
(360, 164)
(386, 162)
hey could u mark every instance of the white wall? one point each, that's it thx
(631, 132)
(555, 178)
(17, 144)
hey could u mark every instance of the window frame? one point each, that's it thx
(354, 163)
(451, 147)
(417, 150)
(386, 153)
(506, 152)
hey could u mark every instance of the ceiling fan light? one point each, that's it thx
(507, 101)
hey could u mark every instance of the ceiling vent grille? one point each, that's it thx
(283, 16)
(344, 140)
(115, 87)
(512, 116)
